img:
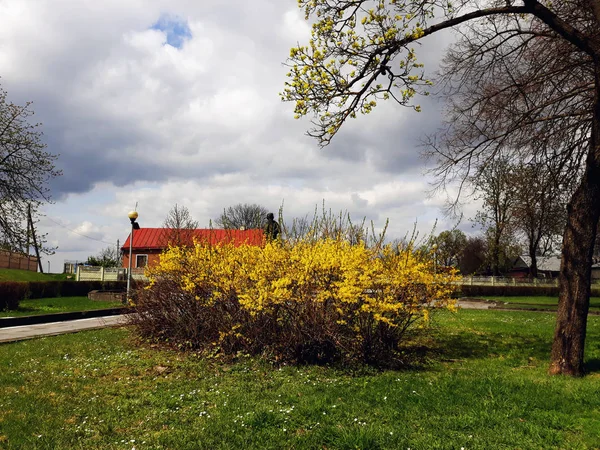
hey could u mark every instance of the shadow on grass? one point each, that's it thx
(592, 365)
(472, 345)
(25, 309)
(20, 310)
(420, 351)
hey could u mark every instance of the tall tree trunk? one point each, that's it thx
(533, 270)
(583, 213)
(496, 254)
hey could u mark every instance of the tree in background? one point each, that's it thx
(108, 257)
(474, 258)
(25, 170)
(450, 247)
(242, 216)
(537, 62)
(522, 203)
(540, 209)
(496, 189)
(501, 254)
(178, 227)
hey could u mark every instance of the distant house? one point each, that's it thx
(149, 243)
(548, 266)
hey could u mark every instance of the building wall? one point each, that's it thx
(153, 257)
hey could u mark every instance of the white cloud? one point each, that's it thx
(294, 28)
(202, 125)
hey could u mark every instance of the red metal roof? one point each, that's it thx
(153, 238)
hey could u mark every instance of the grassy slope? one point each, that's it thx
(484, 387)
(39, 306)
(26, 275)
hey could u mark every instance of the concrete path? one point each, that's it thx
(10, 334)
(467, 304)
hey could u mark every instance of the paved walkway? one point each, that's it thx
(467, 304)
(50, 329)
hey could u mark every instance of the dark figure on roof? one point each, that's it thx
(272, 228)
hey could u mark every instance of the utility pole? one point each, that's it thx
(35, 246)
(119, 262)
(28, 239)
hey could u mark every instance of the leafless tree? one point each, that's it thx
(539, 211)
(243, 216)
(178, 227)
(495, 185)
(537, 68)
(516, 87)
(25, 170)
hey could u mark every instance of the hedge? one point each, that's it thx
(12, 292)
(513, 291)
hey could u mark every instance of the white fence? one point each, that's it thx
(508, 281)
(94, 273)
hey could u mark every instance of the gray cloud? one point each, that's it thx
(199, 124)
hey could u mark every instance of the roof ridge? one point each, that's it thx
(153, 238)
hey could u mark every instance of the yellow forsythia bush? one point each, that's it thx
(313, 301)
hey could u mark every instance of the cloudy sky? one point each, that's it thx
(164, 102)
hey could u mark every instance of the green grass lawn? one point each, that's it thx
(481, 384)
(538, 302)
(27, 275)
(35, 307)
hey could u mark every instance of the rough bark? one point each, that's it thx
(496, 255)
(533, 272)
(583, 213)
